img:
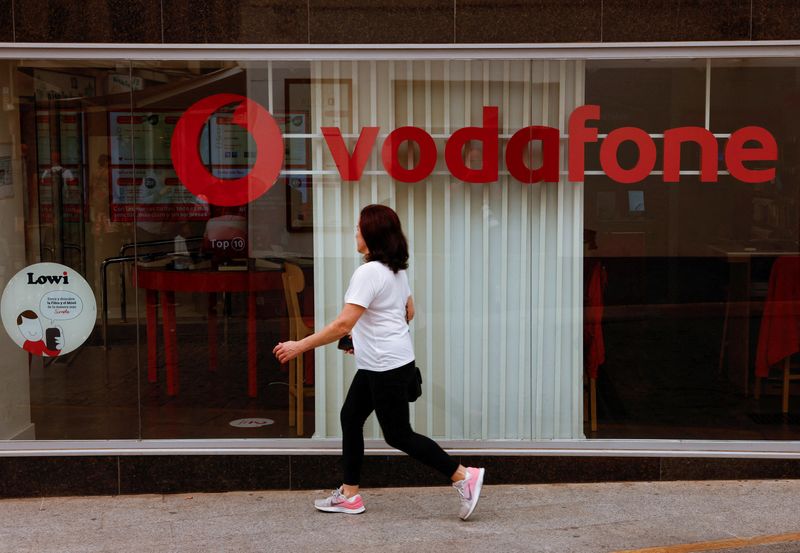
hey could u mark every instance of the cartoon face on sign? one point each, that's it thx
(31, 329)
(48, 309)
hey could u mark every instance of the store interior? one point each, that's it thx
(103, 130)
(688, 265)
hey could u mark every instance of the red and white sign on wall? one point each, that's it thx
(48, 309)
(745, 145)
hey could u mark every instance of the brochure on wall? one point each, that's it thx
(230, 144)
(141, 137)
(152, 191)
(144, 139)
(297, 149)
(48, 309)
(154, 194)
(299, 207)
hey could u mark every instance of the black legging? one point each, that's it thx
(386, 393)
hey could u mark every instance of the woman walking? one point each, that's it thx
(378, 307)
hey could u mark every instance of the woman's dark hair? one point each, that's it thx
(383, 235)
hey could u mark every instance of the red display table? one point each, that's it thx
(167, 282)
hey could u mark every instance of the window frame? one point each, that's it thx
(321, 52)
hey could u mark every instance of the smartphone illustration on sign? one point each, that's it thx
(51, 338)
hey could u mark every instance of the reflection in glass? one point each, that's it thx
(663, 294)
(210, 292)
(55, 202)
(690, 265)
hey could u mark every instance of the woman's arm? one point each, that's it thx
(410, 309)
(341, 326)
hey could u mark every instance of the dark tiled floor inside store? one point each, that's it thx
(94, 394)
(660, 380)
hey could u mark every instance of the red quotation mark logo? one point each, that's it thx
(193, 172)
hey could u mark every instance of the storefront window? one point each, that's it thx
(690, 289)
(58, 382)
(207, 368)
(211, 206)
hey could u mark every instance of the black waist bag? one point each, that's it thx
(415, 385)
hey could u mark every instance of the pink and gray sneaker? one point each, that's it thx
(470, 490)
(338, 503)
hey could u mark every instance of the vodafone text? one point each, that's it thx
(351, 165)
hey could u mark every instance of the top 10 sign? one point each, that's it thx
(746, 144)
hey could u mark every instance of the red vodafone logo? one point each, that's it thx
(193, 172)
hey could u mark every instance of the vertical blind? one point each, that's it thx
(495, 269)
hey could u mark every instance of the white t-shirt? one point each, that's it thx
(381, 338)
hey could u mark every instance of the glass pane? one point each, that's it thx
(494, 328)
(213, 284)
(60, 382)
(220, 201)
(213, 238)
(680, 277)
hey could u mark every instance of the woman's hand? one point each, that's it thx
(409, 309)
(286, 351)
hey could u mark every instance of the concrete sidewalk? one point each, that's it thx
(561, 518)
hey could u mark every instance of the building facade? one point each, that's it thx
(600, 201)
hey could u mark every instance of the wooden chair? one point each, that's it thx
(779, 335)
(787, 379)
(293, 283)
(594, 352)
(590, 402)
